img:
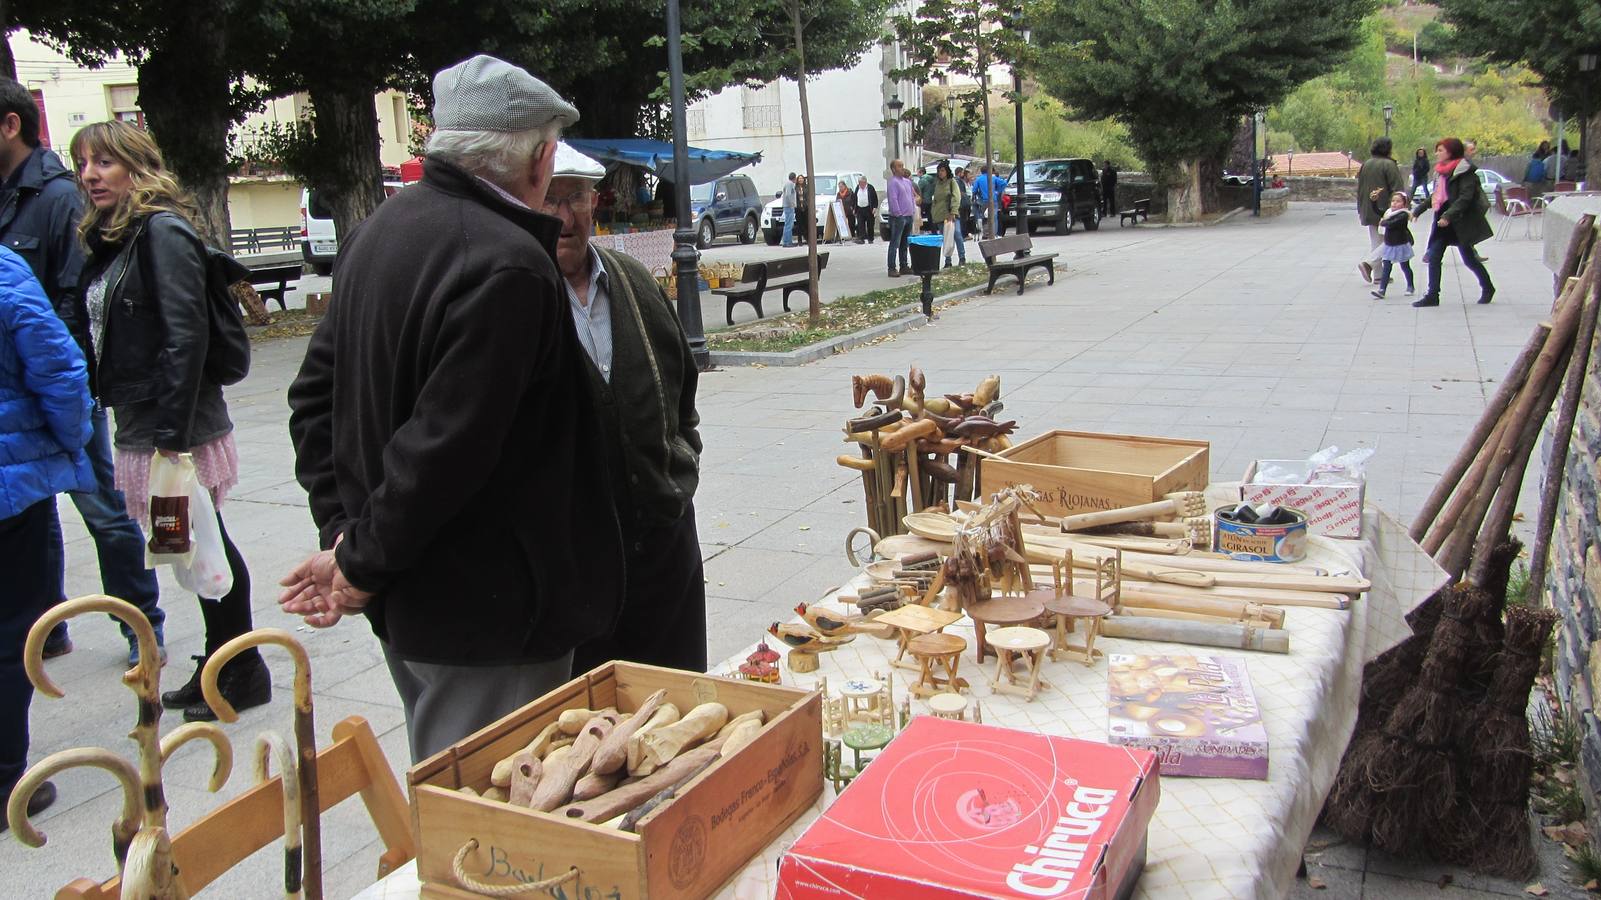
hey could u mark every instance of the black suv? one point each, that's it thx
(729, 205)
(1060, 192)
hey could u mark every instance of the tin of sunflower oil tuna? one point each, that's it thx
(1273, 540)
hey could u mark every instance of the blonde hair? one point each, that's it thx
(154, 188)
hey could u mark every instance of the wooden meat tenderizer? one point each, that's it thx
(1182, 505)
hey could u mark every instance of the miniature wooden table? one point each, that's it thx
(861, 697)
(948, 705)
(867, 736)
(912, 620)
(942, 650)
(1018, 643)
(1071, 607)
(1001, 611)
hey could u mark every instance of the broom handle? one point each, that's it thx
(1474, 445)
(1498, 522)
(1495, 455)
(1125, 514)
(1445, 522)
(1578, 364)
(1578, 246)
(1537, 396)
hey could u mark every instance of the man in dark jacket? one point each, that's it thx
(1377, 180)
(641, 379)
(39, 207)
(866, 210)
(443, 430)
(1108, 190)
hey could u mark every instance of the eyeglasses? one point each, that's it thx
(577, 201)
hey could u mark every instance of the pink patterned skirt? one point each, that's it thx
(216, 461)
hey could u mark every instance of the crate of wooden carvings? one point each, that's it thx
(631, 781)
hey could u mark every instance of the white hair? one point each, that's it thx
(498, 157)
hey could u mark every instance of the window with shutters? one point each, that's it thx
(124, 102)
(695, 123)
(761, 107)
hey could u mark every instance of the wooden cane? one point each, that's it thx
(211, 734)
(126, 824)
(305, 734)
(268, 745)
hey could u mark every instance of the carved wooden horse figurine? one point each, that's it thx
(310, 837)
(144, 854)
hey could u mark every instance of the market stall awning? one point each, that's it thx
(657, 157)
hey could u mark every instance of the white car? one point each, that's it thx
(318, 243)
(823, 194)
(1491, 181)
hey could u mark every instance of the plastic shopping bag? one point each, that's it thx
(207, 574)
(169, 516)
(949, 243)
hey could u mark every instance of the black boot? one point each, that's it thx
(1427, 300)
(244, 683)
(1487, 295)
(43, 797)
(189, 694)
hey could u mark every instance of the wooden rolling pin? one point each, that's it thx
(1180, 505)
(1230, 635)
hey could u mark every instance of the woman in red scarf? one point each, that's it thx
(1460, 218)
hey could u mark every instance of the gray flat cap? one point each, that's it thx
(489, 94)
(572, 164)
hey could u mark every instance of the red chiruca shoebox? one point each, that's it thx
(952, 809)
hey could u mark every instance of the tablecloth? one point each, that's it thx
(1211, 838)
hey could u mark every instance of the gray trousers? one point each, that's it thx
(446, 703)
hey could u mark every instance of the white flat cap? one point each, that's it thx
(572, 164)
(489, 94)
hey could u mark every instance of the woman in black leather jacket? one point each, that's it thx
(144, 299)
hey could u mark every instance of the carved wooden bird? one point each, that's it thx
(802, 637)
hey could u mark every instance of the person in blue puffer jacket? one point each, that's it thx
(44, 425)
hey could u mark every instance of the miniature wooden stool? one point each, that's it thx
(1018, 643)
(1071, 609)
(1001, 611)
(946, 705)
(937, 650)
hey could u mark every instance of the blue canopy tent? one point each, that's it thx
(657, 157)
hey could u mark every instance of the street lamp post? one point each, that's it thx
(1017, 107)
(895, 106)
(684, 252)
(1389, 113)
(1256, 166)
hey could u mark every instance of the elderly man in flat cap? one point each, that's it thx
(642, 379)
(443, 426)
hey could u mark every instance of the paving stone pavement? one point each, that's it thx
(1255, 335)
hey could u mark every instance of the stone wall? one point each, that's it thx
(1322, 188)
(1573, 584)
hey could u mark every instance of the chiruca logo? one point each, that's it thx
(1055, 861)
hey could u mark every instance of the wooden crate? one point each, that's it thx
(1082, 471)
(684, 849)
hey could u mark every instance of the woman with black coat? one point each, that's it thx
(146, 305)
(1420, 171)
(1460, 219)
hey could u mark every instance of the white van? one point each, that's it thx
(318, 242)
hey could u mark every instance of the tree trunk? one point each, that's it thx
(1590, 135)
(186, 97)
(346, 135)
(1211, 178)
(8, 62)
(814, 306)
(984, 86)
(1184, 193)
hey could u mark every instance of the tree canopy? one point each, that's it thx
(1181, 73)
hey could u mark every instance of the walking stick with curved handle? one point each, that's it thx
(122, 830)
(268, 745)
(202, 731)
(305, 734)
(151, 873)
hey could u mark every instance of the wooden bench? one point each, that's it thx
(1022, 259)
(1140, 211)
(271, 282)
(256, 240)
(791, 274)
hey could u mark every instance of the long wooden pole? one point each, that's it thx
(1475, 443)
(1562, 434)
(1578, 247)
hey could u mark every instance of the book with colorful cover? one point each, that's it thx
(1197, 713)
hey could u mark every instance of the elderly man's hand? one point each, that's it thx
(318, 591)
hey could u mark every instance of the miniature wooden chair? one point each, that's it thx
(1071, 610)
(947, 705)
(1015, 644)
(834, 767)
(933, 652)
(352, 764)
(833, 713)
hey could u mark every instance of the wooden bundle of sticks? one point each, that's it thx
(907, 441)
(1471, 508)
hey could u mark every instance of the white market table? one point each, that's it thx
(1211, 837)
